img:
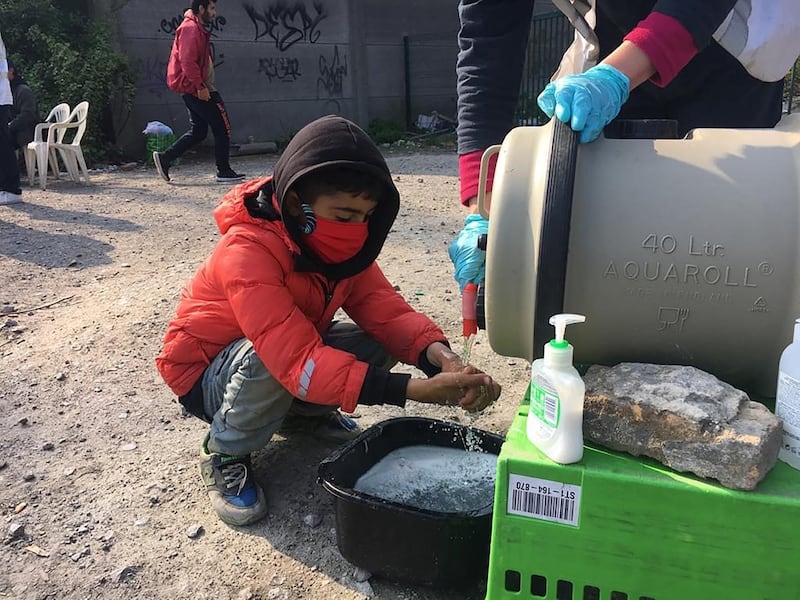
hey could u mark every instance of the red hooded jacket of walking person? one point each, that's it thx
(262, 283)
(190, 56)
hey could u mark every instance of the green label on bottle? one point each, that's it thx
(545, 404)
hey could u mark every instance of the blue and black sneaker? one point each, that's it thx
(234, 494)
(331, 426)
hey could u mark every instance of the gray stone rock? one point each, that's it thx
(364, 588)
(194, 531)
(312, 520)
(124, 573)
(16, 531)
(684, 418)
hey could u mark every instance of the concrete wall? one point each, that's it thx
(281, 64)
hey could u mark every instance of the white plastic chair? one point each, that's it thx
(71, 152)
(38, 154)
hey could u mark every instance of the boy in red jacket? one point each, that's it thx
(254, 346)
(190, 72)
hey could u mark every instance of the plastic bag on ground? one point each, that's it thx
(157, 128)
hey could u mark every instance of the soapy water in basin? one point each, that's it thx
(433, 478)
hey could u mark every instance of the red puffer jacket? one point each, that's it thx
(249, 287)
(190, 56)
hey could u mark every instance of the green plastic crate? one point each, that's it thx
(159, 143)
(616, 527)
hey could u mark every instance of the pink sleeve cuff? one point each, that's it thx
(666, 42)
(469, 169)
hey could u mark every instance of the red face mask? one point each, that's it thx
(336, 241)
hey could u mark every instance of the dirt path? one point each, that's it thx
(96, 462)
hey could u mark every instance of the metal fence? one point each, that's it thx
(550, 36)
(792, 88)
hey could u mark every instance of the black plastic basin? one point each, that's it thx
(403, 543)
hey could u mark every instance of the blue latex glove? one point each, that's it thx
(468, 259)
(588, 102)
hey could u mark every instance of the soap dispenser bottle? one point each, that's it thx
(555, 419)
(787, 400)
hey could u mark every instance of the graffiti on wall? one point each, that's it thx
(152, 74)
(170, 26)
(331, 75)
(285, 24)
(283, 68)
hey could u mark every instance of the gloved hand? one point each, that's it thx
(589, 101)
(468, 259)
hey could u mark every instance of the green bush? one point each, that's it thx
(66, 55)
(383, 131)
(788, 89)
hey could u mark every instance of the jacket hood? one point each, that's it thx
(335, 141)
(193, 17)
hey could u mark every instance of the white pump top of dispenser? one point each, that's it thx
(558, 351)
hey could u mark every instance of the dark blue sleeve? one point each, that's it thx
(491, 41)
(701, 19)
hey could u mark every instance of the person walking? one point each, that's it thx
(191, 73)
(10, 192)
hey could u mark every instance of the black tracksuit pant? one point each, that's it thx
(202, 115)
(9, 173)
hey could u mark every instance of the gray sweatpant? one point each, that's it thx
(246, 403)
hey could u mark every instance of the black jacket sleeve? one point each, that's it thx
(491, 41)
(701, 19)
(383, 387)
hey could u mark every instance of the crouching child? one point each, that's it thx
(254, 347)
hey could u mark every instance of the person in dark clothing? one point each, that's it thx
(668, 59)
(10, 192)
(190, 72)
(25, 114)
(254, 347)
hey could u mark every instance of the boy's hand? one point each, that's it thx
(446, 359)
(469, 388)
(203, 94)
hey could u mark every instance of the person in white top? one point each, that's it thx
(10, 192)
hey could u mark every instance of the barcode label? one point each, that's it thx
(550, 408)
(544, 405)
(544, 499)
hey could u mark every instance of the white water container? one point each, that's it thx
(555, 419)
(787, 400)
(689, 246)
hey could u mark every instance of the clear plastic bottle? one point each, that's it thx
(555, 420)
(787, 400)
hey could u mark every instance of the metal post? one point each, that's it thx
(407, 78)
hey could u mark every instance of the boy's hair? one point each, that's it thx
(196, 4)
(333, 179)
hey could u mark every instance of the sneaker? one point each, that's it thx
(229, 176)
(9, 198)
(328, 427)
(162, 165)
(235, 496)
